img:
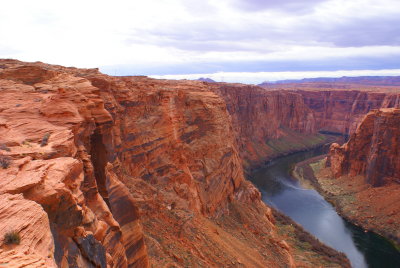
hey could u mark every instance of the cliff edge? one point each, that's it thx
(101, 171)
(363, 175)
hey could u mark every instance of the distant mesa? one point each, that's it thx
(208, 80)
(362, 80)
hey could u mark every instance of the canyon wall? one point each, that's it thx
(101, 171)
(268, 123)
(363, 175)
(373, 150)
(340, 111)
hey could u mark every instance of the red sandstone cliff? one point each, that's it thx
(116, 172)
(373, 150)
(366, 171)
(340, 111)
(268, 123)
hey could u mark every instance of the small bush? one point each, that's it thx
(27, 143)
(5, 161)
(4, 147)
(45, 139)
(12, 237)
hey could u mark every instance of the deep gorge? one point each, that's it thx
(141, 172)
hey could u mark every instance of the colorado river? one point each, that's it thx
(308, 208)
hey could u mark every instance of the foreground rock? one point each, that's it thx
(131, 172)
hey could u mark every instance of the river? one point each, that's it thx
(308, 208)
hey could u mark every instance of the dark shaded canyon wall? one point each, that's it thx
(373, 150)
(267, 123)
(340, 111)
(175, 136)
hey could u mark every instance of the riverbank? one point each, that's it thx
(373, 208)
(307, 247)
(286, 146)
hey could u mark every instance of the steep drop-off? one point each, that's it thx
(268, 123)
(363, 175)
(373, 150)
(130, 171)
(340, 111)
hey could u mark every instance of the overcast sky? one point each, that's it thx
(175, 37)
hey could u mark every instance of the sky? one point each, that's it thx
(232, 40)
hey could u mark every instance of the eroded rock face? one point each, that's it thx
(373, 150)
(267, 123)
(55, 174)
(128, 171)
(27, 219)
(340, 111)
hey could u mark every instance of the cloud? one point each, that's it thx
(160, 36)
(294, 6)
(342, 60)
(269, 32)
(364, 32)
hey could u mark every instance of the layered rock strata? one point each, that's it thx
(363, 175)
(268, 123)
(340, 111)
(101, 171)
(372, 151)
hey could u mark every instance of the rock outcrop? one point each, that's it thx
(362, 177)
(373, 150)
(101, 171)
(47, 118)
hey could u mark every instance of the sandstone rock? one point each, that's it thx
(261, 118)
(340, 111)
(135, 168)
(27, 219)
(372, 150)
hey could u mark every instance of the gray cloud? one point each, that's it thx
(211, 36)
(377, 31)
(263, 37)
(292, 6)
(348, 63)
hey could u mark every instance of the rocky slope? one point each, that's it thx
(101, 171)
(363, 175)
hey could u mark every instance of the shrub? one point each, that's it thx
(45, 139)
(5, 161)
(12, 237)
(4, 147)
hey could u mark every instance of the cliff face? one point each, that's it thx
(340, 111)
(363, 175)
(48, 117)
(372, 150)
(268, 123)
(107, 139)
(116, 172)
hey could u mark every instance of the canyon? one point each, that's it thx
(367, 167)
(102, 171)
(361, 177)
